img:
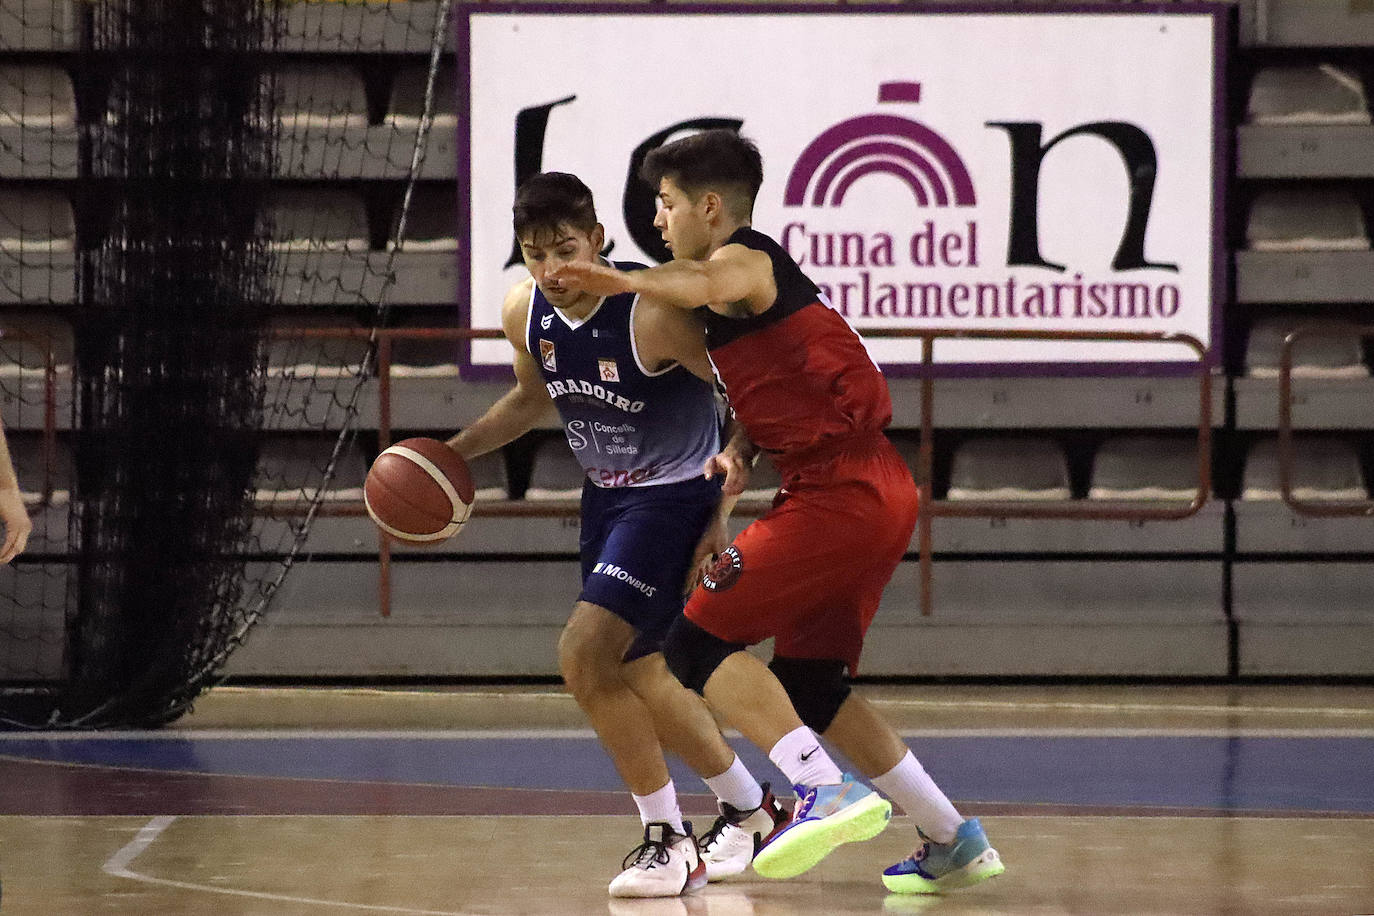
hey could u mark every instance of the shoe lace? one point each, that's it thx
(647, 855)
(712, 836)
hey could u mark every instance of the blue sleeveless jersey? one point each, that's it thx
(628, 426)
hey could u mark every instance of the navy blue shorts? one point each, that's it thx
(636, 545)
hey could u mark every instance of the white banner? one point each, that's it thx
(998, 171)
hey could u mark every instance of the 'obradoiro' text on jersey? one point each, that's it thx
(628, 426)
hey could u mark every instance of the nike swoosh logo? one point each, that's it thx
(807, 756)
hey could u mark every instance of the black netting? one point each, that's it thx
(193, 198)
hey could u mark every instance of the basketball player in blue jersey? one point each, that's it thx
(633, 386)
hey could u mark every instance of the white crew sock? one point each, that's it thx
(737, 787)
(799, 755)
(660, 806)
(910, 786)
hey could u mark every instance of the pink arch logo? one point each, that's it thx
(881, 144)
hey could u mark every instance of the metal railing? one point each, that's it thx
(1079, 509)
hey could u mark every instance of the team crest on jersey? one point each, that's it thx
(546, 321)
(609, 371)
(546, 355)
(724, 571)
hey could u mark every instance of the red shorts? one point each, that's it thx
(811, 572)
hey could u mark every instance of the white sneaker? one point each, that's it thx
(666, 864)
(737, 836)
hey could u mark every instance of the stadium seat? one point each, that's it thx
(489, 476)
(22, 347)
(425, 357)
(318, 220)
(291, 469)
(319, 96)
(36, 96)
(1145, 467)
(556, 473)
(764, 480)
(36, 219)
(1334, 355)
(1009, 469)
(1323, 469)
(291, 355)
(1318, 94)
(1306, 219)
(432, 223)
(407, 103)
(30, 465)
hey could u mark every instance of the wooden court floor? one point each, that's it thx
(497, 801)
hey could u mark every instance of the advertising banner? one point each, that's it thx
(1056, 170)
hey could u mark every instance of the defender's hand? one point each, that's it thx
(735, 468)
(597, 279)
(712, 542)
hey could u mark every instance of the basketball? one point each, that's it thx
(419, 491)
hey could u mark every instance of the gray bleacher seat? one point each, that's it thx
(407, 103)
(318, 220)
(31, 466)
(1145, 467)
(36, 219)
(36, 96)
(489, 476)
(764, 480)
(556, 473)
(319, 96)
(1009, 469)
(1316, 94)
(1325, 468)
(291, 469)
(1318, 355)
(292, 355)
(24, 341)
(413, 357)
(431, 223)
(1306, 219)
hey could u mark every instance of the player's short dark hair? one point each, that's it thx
(713, 160)
(552, 199)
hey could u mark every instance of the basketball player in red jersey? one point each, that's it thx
(811, 572)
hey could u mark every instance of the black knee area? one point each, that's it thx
(693, 655)
(817, 687)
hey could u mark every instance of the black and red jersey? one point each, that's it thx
(798, 377)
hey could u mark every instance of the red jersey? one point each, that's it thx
(797, 376)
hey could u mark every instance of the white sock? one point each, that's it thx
(660, 806)
(737, 787)
(799, 755)
(910, 786)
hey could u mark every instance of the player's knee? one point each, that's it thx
(693, 655)
(586, 659)
(817, 687)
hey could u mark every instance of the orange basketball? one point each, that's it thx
(419, 491)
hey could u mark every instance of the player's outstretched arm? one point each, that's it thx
(733, 274)
(13, 514)
(521, 408)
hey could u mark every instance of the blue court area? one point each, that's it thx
(1209, 773)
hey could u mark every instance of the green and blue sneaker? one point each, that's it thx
(939, 867)
(826, 817)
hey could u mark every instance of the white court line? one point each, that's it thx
(467, 734)
(1098, 706)
(118, 866)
